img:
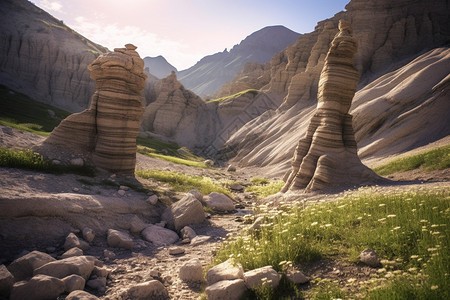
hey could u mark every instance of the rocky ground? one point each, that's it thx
(146, 261)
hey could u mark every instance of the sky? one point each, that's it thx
(184, 31)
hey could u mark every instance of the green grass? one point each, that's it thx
(21, 112)
(29, 160)
(249, 91)
(181, 182)
(435, 159)
(263, 187)
(409, 231)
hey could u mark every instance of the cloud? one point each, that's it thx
(51, 5)
(149, 44)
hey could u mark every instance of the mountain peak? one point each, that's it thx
(159, 66)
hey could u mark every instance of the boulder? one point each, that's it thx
(39, 287)
(152, 289)
(23, 267)
(228, 270)
(153, 199)
(196, 194)
(184, 212)
(192, 271)
(6, 280)
(119, 239)
(219, 202)
(200, 239)
(226, 290)
(79, 265)
(73, 283)
(98, 284)
(176, 250)
(188, 233)
(159, 236)
(261, 276)
(73, 241)
(100, 271)
(370, 258)
(88, 234)
(296, 277)
(81, 295)
(72, 252)
(136, 224)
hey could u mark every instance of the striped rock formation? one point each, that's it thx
(106, 132)
(327, 156)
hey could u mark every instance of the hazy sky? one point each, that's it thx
(184, 31)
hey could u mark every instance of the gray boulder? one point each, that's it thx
(79, 265)
(226, 290)
(23, 267)
(219, 202)
(73, 283)
(370, 258)
(72, 252)
(81, 295)
(152, 289)
(119, 239)
(6, 281)
(228, 270)
(264, 275)
(184, 212)
(192, 271)
(159, 236)
(39, 287)
(73, 241)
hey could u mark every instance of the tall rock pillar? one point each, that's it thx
(107, 131)
(327, 156)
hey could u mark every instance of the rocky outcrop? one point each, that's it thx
(43, 58)
(108, 129)
(390, 37)
(211, 72)
(327, 156)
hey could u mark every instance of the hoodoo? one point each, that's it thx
(327, 156)
(106, 132)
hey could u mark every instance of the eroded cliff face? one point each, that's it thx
(43, 58)
(390, 35)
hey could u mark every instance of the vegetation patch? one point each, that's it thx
(435, 159)
(21, 112)
(181, 182)
(222, 99)
(29, 160)
(409, 231)
(263, 187)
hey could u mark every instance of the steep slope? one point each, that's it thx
(158, 66)
(211, 72)
(43, 58)
(390, 35)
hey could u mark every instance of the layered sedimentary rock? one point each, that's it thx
(327, 156)
(43, 58)
(108, 129)
(390, 36)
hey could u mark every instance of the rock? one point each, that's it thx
(109, 254)
(23, 267)
(98, 284)
(39, 287)
(228, 270)
(119, 239)
(226, 290)
(296, 276)
(72, 252)
(152, 289)
(261, 276)
(81, 295)
(176, 250)
(192, 271)
(73, 283)
(124, 187)
(184, 212)
(79, 265)
(107, 131)
(136, 224)
(370, 258)
(231, 168)
(196, 194)
(76, 190)
(199, 239)
(121, 192)
(237, 187)
(153, 199)
(79, 162)
(88, 234)
(209, 162)
(188, 232)
(219, 202)
(6, 281)
(100, 272)
(159, 236)
(327, 156)
(73, 241)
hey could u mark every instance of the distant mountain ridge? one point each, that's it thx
(208, 75)
(159, 66)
